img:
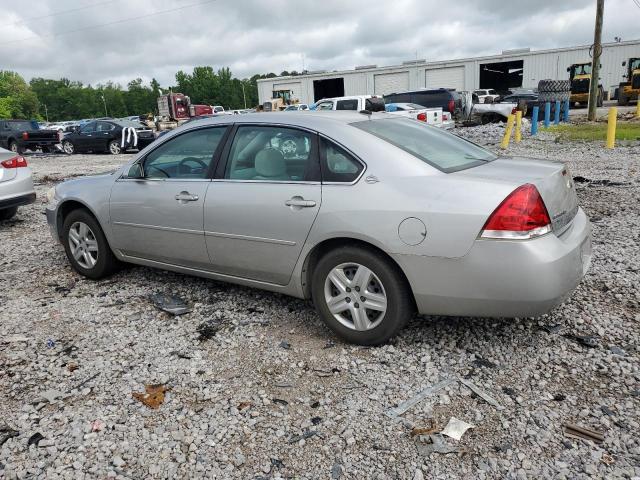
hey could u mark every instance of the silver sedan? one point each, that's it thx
(16, 184)
(373, 217)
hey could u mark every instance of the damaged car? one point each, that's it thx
(111, 136)
(373, 217)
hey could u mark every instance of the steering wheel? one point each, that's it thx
(150, 167)
(184, 161)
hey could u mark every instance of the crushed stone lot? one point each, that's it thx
(266, 391)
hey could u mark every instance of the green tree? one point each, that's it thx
(17, 98)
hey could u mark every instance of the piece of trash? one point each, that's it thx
(617, 351)
(276, 462)
(208, 329)
(415, 431)
(6, 433)
(68, 350)
(555, 328)
(316, 420)
(306, 434)
(72, 367)
(35, 439)
(584, 340)
(280, 401)
(490, 400)
(407, 404)
(315, 405)
(576, 431)
(153, 396)
(15, 339)
(607, 411)
(559, 397)
(435, 444)
(243, 405)
(97, 425)
(456, 428)
(170, 304)
(51, 343)
(181, 355)
(607, 459)
(336, 471)
(330, 344)
(284, 344)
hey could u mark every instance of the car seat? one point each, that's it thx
(270, 165)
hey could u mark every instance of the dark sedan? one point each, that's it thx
(107, 136)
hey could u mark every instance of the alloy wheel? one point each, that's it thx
(355, 296)
(67, 147)
(114, 148)
(83, 244)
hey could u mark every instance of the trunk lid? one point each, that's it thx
(552, 179)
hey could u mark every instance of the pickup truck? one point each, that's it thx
(372, 103)
(20, 135)
(432, 116)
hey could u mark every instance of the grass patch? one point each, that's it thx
(596, 131)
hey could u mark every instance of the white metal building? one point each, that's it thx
(512, 69)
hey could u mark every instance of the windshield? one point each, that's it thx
(442, 150)
(584, 69)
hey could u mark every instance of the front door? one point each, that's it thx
(159, 216)
(86, 139)
(259, 212)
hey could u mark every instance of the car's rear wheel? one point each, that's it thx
(361, 295)
(14, 147)
(114, 147)
(68, 147)
(86, 246)
(7, 213)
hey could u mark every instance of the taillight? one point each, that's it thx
(521, 215)
(15, 162)
(422, 117)
(25, 135)
(452, 106)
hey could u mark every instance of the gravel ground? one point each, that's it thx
(274, 395)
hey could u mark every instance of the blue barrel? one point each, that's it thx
(547, 114)
(534, 120)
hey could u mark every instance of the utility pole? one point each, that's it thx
(105, 105)
(244, 97)
(46, 112)
(595, 62)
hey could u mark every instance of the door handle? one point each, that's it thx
(186, 197)
(299, 202)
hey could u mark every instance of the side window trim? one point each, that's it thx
(314, 173)
(322, 158)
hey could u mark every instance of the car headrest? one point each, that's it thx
(270, 163)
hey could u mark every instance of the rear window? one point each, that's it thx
(398, 98)
(347, 104)
(374, 104)
(22, 126)
(440, 149)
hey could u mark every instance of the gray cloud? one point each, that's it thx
(259, 36)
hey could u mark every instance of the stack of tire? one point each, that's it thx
(553, 90)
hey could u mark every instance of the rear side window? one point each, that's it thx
(347, 104)
(442, 150)
(338, 165)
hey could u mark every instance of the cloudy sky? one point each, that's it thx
(98, 40)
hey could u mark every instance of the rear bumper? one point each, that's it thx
(500, 278)
(17, 201)
(17, 191)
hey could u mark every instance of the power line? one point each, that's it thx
(61, 12)
(116, 22)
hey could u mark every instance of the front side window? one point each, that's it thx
(186, 156)
(89, 128)
(347, 104)
(338, 165)
(268, 153)
(442, 150)
(325, 106)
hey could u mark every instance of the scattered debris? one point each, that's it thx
(555, 328)
(456, 428)
(575, 431)
(283, 385)
(601, 183)
(588, 341)
(97, 425)
(490, 400)
(415, 431)
(208, 329)
(280, 401)
(72, 367)
(6, 433)
(15, 339)
(284, 344)
(243, 405)
(68, 350)
(153, 396)
(330, 344)
(170, 304)
(482, 362)
(316, 420)
(406, 405)
(276, 462)
(607, 459)
(35, 439)
(429, 444)
(559, 397)
(51, 343)
(305, 435)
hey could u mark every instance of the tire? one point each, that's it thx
(114, 147)
(15, 148)
(94, 264)
(68, 147)
(554, 86)
(623, 101)
(386, 283)
(7, 213)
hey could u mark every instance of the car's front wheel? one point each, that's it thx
(68, 147)
(361, 295)
(86, 246)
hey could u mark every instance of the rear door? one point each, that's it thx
(85, 139)
(263, 202)
(159, 217)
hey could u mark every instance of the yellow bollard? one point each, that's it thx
(611, 127)
(507, 132)
(518, 126)
(638, 107)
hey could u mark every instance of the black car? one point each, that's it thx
(106, 136)
(447, 99)
(20, 135)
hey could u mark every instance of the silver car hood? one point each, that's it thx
(552, 179)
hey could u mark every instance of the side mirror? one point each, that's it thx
(624, 63)
(135, 171)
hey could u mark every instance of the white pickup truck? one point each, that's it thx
(372, 103)
(431, 116)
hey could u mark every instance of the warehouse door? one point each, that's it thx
(385, 83)
(501, 76)
(329, 88)
(447, 77)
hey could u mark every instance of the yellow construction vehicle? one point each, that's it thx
(630, 90)
(580, 78)
(279, 101)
